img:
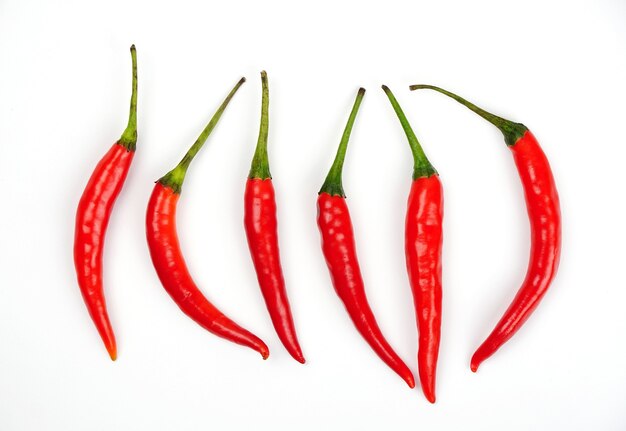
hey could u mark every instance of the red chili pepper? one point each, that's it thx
(261, 231)
(423, 242)
(167, 256)
(339, 250)
(544, 212)
(92, 219)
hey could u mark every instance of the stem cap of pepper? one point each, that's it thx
(512, 131)
(333, 183)
(260, 167)
(422, 168)
(129, 138)
(174, 178)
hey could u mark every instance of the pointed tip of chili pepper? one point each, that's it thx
(477, 359)
(410, 380)
(430, 396)
(428, 389)
(108, 337)
(293, 347)
(132, 47)
(264, 351)
(112, 352)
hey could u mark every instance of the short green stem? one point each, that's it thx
(174, 178)
(421, 165)
(260, 167)
(512, 131)
(333, 185)
(129, 137)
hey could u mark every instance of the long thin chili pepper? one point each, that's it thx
(167, 255)
(423, 241)
(544, 213)
(262, 233)
(339, 249)
(92, 219)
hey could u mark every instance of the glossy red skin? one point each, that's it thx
(544, 213)
(339, 250)
(172, 270)
(92, 219)
(423, 243)
(262, 233)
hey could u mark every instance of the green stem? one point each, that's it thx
(260, 163)
(174, 178)
(332, 185)
(421, 166)
(129, 137)
(512, 131)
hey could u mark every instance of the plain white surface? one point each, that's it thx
(64, 88)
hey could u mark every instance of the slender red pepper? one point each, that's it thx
(423, 242)
(339, 249)
(167, 256)
(92, 219)
(262, 233)
(544, 213)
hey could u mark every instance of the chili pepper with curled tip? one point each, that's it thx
(544, 213)
(92, 219)
(262, 232)
(423, 243)
(339, 248)
(167, 255)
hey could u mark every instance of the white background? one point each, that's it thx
(559, 67)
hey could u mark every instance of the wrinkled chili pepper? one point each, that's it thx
(423, 241)
(339, 249)
(167, 256)
(92, 219)
(544, 213)
(262, 233)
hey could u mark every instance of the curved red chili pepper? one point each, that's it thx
(92, 219)
(262, 233)
(339, 250)
(423, 243)
(544, 213)
(167, 256)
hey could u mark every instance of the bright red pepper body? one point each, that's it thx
(423, 243)
(92, 219)
(544, 213)
(172, 270)
(167, 256)
(262, 233)
(339, 249)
